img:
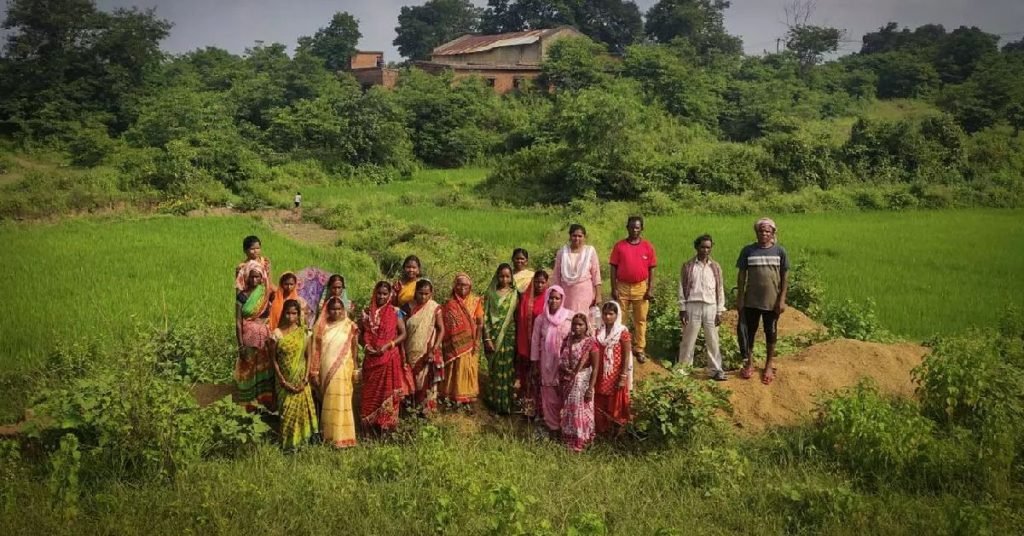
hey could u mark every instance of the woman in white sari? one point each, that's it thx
(332, 371)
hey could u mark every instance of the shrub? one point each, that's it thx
(805, 288)
(809, 506)
(677, 408)
(852, 320)
(90, 146)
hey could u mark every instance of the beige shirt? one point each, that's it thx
(702, 287)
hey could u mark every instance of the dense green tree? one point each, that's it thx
(575, 63)
(687, 91)
(961, 51)
(617, 23)
(66, 62)
(900, 74)
(1014, 46)
(337, 42)
(811, 43)
(517, 15)
(700, 22)
(421, 28)
(924, 40)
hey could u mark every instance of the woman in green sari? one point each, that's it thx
(287, 347)
(253, 373)
(499, 340)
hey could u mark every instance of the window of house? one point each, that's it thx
(490, 82)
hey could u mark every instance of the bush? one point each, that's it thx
(805, 288)
(851, 320)
(677, 408)
(810, 506)
(90, 146)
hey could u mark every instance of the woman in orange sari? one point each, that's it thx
(332, 368)
(463, 316)
(384, 380)
(287, 289)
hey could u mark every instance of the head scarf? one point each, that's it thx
(327, 292)
(277, 306)
(765, 221)
(242, 279)
(553, 340)
(609, 338)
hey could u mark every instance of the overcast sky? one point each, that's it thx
(237, 24)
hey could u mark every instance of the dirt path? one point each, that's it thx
(282, 221)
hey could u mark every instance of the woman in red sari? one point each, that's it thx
(531, 305)
(384, 379)
(463, 316)
(615, 377)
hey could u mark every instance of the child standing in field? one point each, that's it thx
(405, 287)
(578, 364)
(632, 263)
(253, 252)
(615, 375)
(762, 285)
(287, 347)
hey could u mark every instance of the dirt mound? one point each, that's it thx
(820, 368)
(792, 322)
(650, 368)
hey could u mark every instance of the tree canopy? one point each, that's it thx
(616, 23)
(336, 43)
(422, 28)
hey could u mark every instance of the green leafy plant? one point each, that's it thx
(677, 408)
(63, 482)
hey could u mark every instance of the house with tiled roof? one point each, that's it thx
(505, 61)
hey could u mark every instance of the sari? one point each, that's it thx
(253, 373)
(404, 292)
(294, 395)
(384, 382)
(333, 363)
(530, 307)
(577, 412)
(499, 312)
(460, 347)
(548, 333)
(427, 370)
(277, 304)
(321, 309)
(522, 279)
(578, 274)
(611, 402)
(242, 272)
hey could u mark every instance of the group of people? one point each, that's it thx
(554, 350)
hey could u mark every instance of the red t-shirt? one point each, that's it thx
(633, 262)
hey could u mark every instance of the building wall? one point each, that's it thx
(363, 60)
(502, 81)
(512, 55)
(376, 77)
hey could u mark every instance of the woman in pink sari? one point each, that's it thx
(384, 381)
(577, 378)
(578, 271)
(549, 330)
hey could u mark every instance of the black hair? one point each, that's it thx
(292, 303)
(286, 276)
(517, 251)
(586, 321)
(503, 266)
(333, 299)
(248, 242)
(336, 277)
(381, 283)
(577, 227)
(540, 273)
(424, 283)
(631, 219)
(697, 242)
(609, 306)
(412, 258)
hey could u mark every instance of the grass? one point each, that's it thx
(83, 278)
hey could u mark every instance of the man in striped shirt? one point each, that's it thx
(762, 285)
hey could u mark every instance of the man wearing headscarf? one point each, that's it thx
(762, 285)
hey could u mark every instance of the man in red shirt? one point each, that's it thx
(633, 263)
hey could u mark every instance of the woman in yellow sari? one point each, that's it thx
(463, 316)
(253, 373)
(332, 370)
(522, 275)
(294, 397)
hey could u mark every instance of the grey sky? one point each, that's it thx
(237, 24)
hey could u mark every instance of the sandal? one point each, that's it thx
(769, 376)
(746, 372)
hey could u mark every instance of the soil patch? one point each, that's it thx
(819, 369)
(208, 393)
(791, 323)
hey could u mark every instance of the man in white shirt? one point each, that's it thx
(701, 304)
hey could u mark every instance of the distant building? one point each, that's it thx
(367, 66)
(504, 61)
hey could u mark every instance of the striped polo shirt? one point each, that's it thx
(764, 267)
